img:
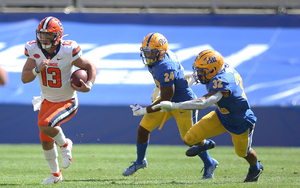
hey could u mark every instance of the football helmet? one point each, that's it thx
(207, 64)
(49, 32)
(154, 48)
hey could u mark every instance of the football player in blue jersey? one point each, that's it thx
(168, 75)
(233, 113)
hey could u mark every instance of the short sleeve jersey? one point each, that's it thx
(55, 79)
(169, 71)
(234, 111)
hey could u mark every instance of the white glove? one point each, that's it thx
(166, 106)
(155, 93)
(138, 110)
(190, 78)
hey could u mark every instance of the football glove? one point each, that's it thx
(166, 106)
(138, 110)
(155, 93)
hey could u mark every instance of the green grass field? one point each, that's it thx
(102, 166)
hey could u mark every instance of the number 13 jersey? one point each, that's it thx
(55, 79)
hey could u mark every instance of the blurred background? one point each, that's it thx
(259, 38)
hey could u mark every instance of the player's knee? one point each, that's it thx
(188, 140)
(241, 153)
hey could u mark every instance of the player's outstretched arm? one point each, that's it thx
(201, 103)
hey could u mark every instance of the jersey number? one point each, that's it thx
(169, 77)
(56, 77)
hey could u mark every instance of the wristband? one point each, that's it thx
(35, 71)
(89, 84)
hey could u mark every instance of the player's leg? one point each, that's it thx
(50, 117)
(51, 158)
(147, 125)
(242, 146)
(208, 126)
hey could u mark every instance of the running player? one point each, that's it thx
(52, 60)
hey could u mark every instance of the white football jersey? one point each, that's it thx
(55, 79)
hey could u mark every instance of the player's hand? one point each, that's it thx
(138, 110)
(155, 93)
(83, 88)
(166, 106)
(44, 64)
(190, 78)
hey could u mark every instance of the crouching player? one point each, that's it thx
(233, 113)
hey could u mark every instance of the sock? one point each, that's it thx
(255, 167)
(141, 151)
(57, 174)
(60, 138)
(207, 160)
(51, 158)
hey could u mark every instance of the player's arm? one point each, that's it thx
(30, 70)
(166, 96)
(85, 64)
(167, 93)
(3, 76)
(205, 101)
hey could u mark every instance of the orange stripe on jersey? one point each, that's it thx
(26, 53)
(76, 51)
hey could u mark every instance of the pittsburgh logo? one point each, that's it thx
(210, 60)
(162, 41)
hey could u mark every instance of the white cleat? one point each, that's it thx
(66, 153)
(53, 179)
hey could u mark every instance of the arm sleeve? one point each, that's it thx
(200, 104)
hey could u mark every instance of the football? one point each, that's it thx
(77, 75)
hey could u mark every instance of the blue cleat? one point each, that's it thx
(134, 167)
(209, 171)
(196, 150)
(253, 175)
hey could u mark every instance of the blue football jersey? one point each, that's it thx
(169, 71)
(234, 111)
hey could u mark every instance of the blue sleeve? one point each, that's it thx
(219, 83)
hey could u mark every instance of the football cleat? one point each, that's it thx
(196, 150)
(134, 167)
(54, 178)
(209, 171)
(253, 175)
(66, 153)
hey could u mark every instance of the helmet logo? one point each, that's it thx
(60, 25)
(210, 60)
(162, 41)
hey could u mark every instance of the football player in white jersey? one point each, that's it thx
(52, 60)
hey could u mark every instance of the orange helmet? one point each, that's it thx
(154, 48)
(49, 32)
(207, 64)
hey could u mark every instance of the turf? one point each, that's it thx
(102, 166)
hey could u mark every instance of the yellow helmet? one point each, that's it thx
(207, 64)
(154, 48)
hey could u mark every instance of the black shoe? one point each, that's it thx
(196, 150)
(253, 175)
